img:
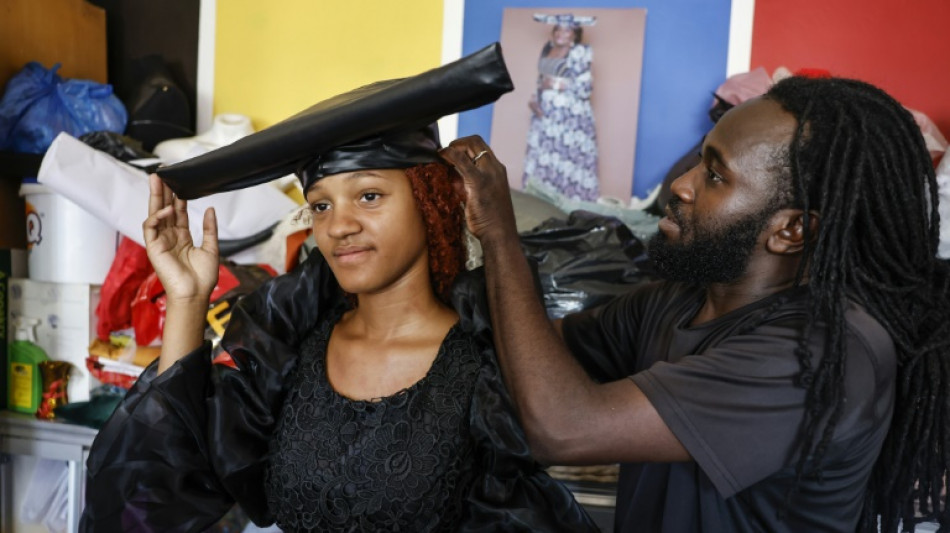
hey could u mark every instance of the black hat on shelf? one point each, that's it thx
(388, 124)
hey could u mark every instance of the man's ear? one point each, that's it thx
(788, 231)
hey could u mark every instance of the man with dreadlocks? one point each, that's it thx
(793, 372)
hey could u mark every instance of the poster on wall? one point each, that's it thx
(570, 125)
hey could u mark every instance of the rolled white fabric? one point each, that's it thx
(117, 194)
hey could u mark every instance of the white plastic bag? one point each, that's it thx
(117, 194)
(46, 498)
(943, 197)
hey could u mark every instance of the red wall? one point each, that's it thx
(902, 47)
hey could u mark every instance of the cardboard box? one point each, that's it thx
(67, 315)
(12, 265)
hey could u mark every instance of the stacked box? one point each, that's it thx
(12, 265)
(67, 315)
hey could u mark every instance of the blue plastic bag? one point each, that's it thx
(38, 104)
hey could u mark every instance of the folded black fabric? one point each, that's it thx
(386, 106)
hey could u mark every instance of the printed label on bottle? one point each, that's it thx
(21, 393)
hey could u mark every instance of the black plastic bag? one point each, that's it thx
(585, 260)
(121, 147)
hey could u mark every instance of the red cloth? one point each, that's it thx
(148, 306)
(148, 310)
(129, 269)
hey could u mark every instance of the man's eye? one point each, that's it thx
(713, 175)
(319, 207)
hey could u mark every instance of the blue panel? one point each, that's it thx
(684, 60)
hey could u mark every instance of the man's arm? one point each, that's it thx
(568, 418)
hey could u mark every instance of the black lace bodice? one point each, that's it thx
(403, 463)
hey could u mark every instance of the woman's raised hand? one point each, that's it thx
(188, 273)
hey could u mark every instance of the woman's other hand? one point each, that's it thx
(535, 106)
(188, 273)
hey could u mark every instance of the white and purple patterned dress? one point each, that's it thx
(562, 144)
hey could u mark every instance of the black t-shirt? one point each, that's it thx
(726, 388)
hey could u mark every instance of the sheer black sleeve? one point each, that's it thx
(182, 447)
(512, 492)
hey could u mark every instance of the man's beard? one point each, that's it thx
(718, 254)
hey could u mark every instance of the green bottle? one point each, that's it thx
(24, 382)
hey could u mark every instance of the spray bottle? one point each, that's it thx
(25, 383)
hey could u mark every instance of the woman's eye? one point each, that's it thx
(371, 196)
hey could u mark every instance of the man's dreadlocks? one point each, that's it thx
(859, 161)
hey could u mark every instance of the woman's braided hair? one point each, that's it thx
(441, 208)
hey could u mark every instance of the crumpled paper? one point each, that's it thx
(943, 194)
(117, 193)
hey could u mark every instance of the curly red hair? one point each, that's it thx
(441, 208)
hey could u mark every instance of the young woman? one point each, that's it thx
(365, 397)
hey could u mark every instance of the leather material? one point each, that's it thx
(399, 105)
(402, 149)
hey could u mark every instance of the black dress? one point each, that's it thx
(446, 454)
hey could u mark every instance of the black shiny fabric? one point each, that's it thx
(584, 261)
(373, 110)
(185, 445)
(401, 149)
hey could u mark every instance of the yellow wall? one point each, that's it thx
(275, 58)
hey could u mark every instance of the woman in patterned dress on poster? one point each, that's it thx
(562, 144)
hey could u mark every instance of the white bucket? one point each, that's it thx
(66, 244)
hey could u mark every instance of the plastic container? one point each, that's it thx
(24, 381)
(65, 243)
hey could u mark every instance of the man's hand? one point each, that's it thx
(538, 369)
(488, 210)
